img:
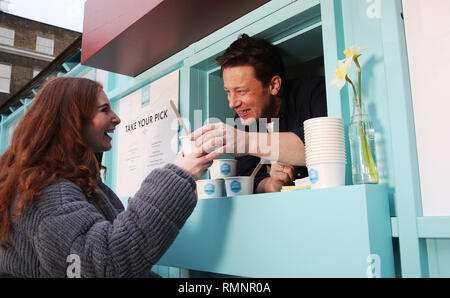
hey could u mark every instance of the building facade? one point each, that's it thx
(26, 47)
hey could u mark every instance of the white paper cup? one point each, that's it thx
(326, 126)
(324, 142)
(318, 138)
(323, 120)
(331, 125)
(325, 175)
(207, 189)
(222, 168)
(236, 186)
(311, 156)
(303, 182)
(339, 136)
(188, 145)
(325, 157)
(324, 150)
(324, 133)
(326, 161)
(325, 154)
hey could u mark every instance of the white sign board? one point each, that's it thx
(427, 28)
(148, 132)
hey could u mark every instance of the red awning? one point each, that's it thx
(129, 37)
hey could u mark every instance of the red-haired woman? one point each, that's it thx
(56, 216)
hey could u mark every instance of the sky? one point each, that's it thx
(67, 14)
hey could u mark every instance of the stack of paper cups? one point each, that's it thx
(325, 151)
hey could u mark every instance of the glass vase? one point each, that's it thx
(362, 147)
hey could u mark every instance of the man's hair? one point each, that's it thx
(255, 52)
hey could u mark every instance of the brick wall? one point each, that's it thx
(26, 32)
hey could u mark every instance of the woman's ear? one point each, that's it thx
(275, 85)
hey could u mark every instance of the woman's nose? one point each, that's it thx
(116, 119)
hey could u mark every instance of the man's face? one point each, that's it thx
(247, 95)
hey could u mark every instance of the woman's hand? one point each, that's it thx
(195, 164)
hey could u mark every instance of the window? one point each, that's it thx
(44, 45)
(5, 77)
(36, 71)
(7, 36)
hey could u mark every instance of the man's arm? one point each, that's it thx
(285, 147)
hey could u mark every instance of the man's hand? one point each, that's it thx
(280, 174)
(221, 138)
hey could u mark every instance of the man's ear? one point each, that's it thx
(275, 85)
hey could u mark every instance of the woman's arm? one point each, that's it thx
(129, 245)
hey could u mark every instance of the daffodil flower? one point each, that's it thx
(340, 78)
(340, 75)
(354, 51)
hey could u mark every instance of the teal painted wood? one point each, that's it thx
(333, 46)
(433, 227)
(184, 273)
(439, 257)
(2, 133)
(317, 233)
(394, 226)
(124, 85)
(427, 227)
(163, 271)
(193, 98)
(271, 24)
(360, 27)
(7, 123)
(223, 37)
(331, 33)
(377, 24)
(413, 250)
(174, 272)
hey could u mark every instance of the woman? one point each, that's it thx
(58, 218)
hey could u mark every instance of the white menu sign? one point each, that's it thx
(148, 132)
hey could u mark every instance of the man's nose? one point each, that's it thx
(233, 101)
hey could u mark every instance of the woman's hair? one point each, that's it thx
(255, 52)
(47, 144)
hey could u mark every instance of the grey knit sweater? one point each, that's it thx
(111, 242)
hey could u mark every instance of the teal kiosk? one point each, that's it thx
(350, 231)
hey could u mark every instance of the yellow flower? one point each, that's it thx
(340, 75)
(354, 51)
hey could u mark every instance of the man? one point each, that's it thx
(255, 82)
